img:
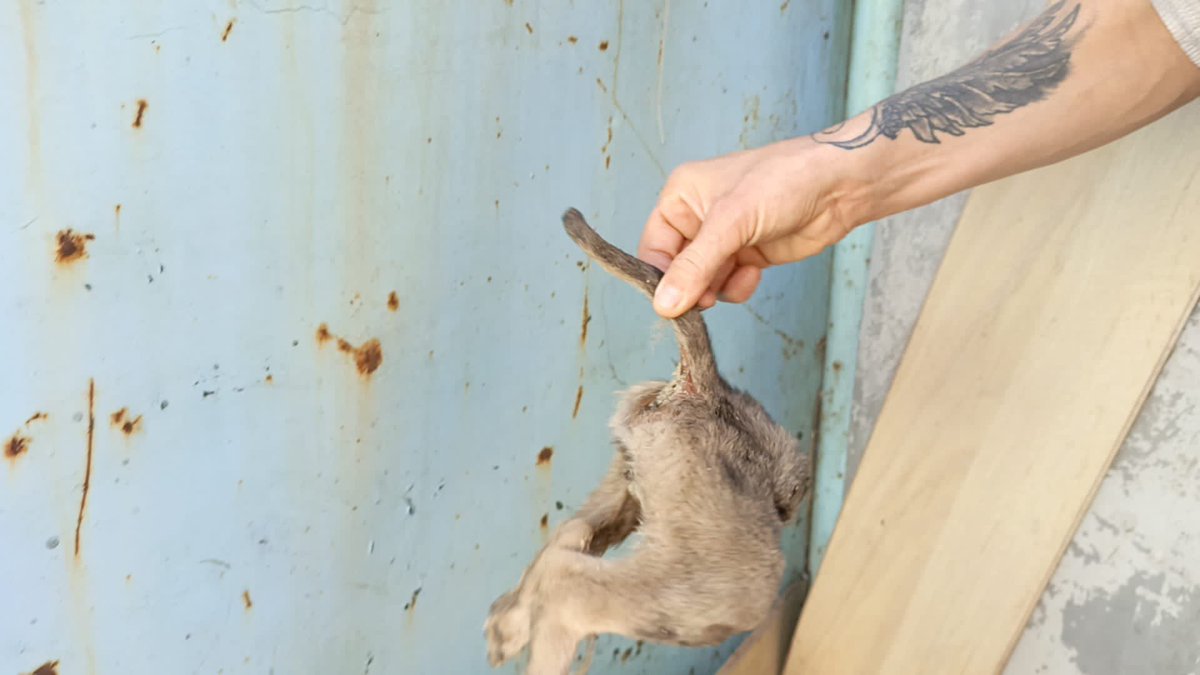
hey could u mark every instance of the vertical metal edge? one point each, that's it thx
(874, 47)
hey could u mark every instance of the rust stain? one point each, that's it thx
(87, 473)
(246, 601)
(578, 400)
(72, 245)
(367, 357)
(508, 2)
(544, 523)
(16, 446)
(393, 302)
(784, 6)
(141, 112)
(528, 28)
(47, 668)
(36, 417)
(587, 318)
(607, 161)
(572, 39)
(837, 366)
(604, 45)
(323, 334)
(270, 379)
(228, 30)
(545, 455)
(127, 423)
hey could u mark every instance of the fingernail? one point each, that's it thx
(667, 299)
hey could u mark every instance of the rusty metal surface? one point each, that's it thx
(297, 366)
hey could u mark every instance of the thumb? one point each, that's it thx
(697, 264)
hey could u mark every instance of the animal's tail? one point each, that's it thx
(697, 364)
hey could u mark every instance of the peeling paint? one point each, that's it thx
(1141, 627)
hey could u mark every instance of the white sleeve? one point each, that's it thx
(1182, 18)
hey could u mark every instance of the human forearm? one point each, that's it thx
(1078, 76)
(1083, 73)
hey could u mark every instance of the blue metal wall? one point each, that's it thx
(196, 478)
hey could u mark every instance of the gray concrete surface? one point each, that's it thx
(1126, 597)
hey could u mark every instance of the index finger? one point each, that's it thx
(663, 238)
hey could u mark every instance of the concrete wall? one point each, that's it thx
(1126, 597)
(214, 487)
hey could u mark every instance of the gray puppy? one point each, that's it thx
(706, 477)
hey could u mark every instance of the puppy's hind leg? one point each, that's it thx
(611, 512)
(581, 595)
(605, 520)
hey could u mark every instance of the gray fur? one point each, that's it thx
(708, 480)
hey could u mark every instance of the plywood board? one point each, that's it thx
(765, 651)
(1058, 301)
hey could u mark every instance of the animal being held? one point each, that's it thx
(704, 475)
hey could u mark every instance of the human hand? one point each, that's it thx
(720, 222)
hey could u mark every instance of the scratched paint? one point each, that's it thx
(245, 497)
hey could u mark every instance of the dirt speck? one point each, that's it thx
(72, 245)
(246, 601)
(393, 301)
(572, 39)
(411, 605)
(544, 523)
(528, 28)
(228, 30)
(269, 379)
(604, 45)
(545, 456)
(142, 105)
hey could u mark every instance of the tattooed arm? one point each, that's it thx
(1081, 74)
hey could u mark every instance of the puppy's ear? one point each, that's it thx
(791, 486)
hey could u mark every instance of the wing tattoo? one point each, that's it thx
(1022, 70)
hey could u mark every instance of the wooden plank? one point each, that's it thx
(1058, 301)
(765, 651)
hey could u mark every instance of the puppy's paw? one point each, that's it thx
(507, 628)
